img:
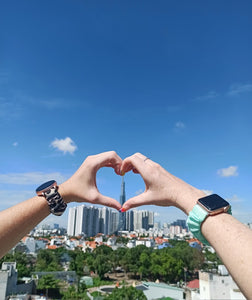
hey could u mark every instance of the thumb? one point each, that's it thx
(107, 201)
(136, 201)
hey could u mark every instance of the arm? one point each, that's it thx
(231, 239)
(20, 219)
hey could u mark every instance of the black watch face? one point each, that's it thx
(45, 185)
(213, 202)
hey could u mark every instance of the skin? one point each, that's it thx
(231, 239)
(17, 221)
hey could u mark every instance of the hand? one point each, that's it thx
(81, 187)
(161, 187)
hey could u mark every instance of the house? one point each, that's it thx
(154, 290)
(8, 281)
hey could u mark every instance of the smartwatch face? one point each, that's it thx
(213, 202)
(45, 186)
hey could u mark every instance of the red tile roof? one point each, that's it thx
(194, 284)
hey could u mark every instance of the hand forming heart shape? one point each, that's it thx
(161, 187)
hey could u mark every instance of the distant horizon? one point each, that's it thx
(171, 80)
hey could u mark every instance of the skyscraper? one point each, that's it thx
(71, 221)
(122, 216)
(90, 220)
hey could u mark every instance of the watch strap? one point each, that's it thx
(55, 201)
(195, 218)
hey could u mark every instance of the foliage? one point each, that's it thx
(96, 294)
(212, 260)
(77, 262)
(47, 282)
(167, 264)
(98, 282)
(102, 265)
(126, 293)
(24, 263)
(48, 260)
(72, 294)
(122, 240)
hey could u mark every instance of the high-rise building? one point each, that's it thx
(143, 219)
(122, 216)
(181, 223)
(90, 220)
(113, 221)
(130, 220)
(104, 220)
(71, 221)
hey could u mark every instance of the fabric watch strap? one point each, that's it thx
(195, 218)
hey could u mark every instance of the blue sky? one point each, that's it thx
(169, 79)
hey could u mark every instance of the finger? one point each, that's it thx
(138, 163)
(107, 159)
(109, 202)
(139, 200)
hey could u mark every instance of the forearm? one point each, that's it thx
(233, 242)
(17, 221)
(231, 239)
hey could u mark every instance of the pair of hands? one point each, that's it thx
(161, 187)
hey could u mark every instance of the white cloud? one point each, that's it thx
(15, 144)
(30, 178)
(209, 96)
(237, 89)
(64, 145)
(228, 172)
(180, 125)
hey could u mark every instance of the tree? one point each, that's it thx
(145, 265)
(72, 294)
(48, 282)
(78, 261)
(24, 262)
(102, 265)
(126, 293)
(48, 260)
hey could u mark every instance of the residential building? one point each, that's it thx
(218, 286)
(71, 221)
(9, 284)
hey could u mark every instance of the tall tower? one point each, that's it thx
(71, 221)
(122, 216)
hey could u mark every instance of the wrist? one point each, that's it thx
(65, 192)
(189, 199)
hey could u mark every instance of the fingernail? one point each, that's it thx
(122, 173)
(122, 209)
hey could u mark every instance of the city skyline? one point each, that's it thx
(174, 83)
(90, 220)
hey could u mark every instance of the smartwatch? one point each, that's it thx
(49, 190)
(206, 206)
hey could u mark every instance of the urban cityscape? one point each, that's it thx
(102, 249)
(128, 112)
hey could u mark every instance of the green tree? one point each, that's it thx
(103, 250)
(126, 293)
(48, 260)
(48, 282)
(78, 259)
(24, 262)
(102, 265)
(132, 261)
(72, 294)
(144, 269)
